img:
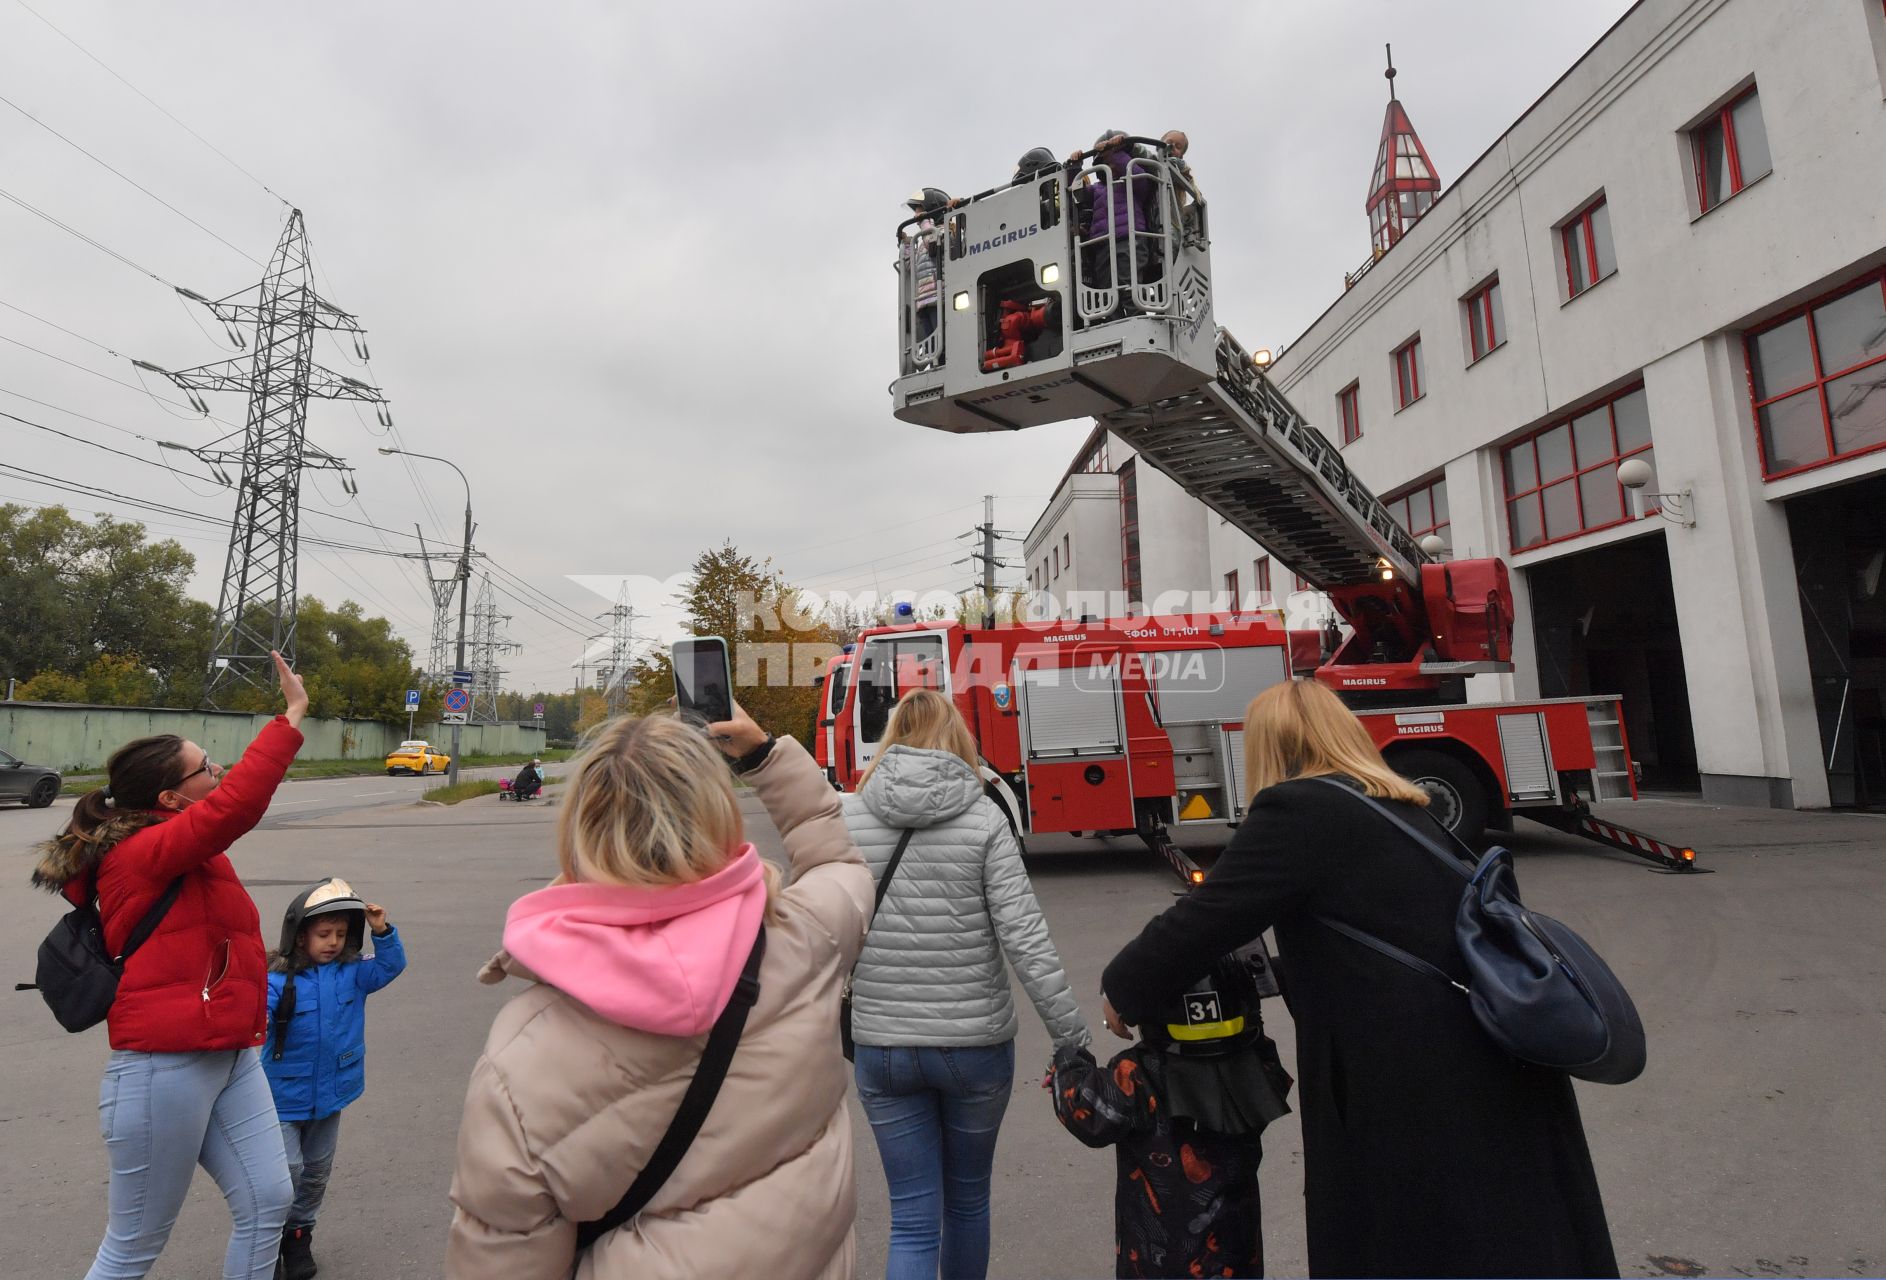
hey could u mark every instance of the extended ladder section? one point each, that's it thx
(1237, 445)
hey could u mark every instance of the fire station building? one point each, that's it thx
(1676, 256)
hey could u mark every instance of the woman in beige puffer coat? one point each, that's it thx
(635, 951)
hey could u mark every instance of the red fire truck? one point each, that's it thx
(1133, 723)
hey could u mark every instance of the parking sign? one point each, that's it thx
(412, 697)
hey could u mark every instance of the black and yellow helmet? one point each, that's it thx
(1215, 1015)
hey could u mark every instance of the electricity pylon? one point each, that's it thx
(621, 631)
(439, 654)
(487, 644)
(255, 610)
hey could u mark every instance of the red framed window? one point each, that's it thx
(1067, 550)
(1057, 562)
(1095, 459)
(1303, 584)
(1349, 409)
(1729, 150)
(1422, 510)
(1408, 377)
(1129, 532)
(1817, 378)
(1260, 577)
(1562, 480)
(1231, 589)
(1586, 240)
(1486, 320)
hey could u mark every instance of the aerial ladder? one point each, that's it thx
(1109, 256)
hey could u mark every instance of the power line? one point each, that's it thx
(28, 422)
(74, 413)
(545, 598)
(131, 386)
(147, 97)
(99, 245)
(873, 531)
(133, 181)
(378, 529)
(163, 508)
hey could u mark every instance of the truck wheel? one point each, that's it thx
(1456, 798)
(44, 792)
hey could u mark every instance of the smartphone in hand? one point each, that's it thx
(703, 679)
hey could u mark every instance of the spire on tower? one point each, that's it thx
(1405, 184)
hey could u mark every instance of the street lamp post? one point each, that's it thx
(464, 585)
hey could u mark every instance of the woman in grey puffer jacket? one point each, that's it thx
(931, 1011)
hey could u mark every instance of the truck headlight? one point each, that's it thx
(961, 301)
(1051, 274)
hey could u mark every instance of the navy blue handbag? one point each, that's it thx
(1536, 987)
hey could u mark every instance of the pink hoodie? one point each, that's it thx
(661, 960)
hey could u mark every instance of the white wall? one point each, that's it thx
(1685, 288)
(1086, 512)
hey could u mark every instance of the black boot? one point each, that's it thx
(298, 1253)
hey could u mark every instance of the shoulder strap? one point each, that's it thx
(695, 1104)
(152, 918)
(1388, 949)
(283, 1019)
(1415, 833)
(897, 856)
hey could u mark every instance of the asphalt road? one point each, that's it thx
(1755, 1144)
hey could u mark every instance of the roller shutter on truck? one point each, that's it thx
(1072, 711)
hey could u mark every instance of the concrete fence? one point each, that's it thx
(78, 738)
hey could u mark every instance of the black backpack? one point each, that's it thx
(1536, 987)
(77, 975)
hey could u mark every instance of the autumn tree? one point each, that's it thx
(777, 642)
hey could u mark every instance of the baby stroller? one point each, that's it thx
(528, 784)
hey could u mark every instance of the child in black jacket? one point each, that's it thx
(1183, 1110)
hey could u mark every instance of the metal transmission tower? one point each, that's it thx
(439, 653)
(487, 644)
(621, 631)
(987, 557)
(255, 610)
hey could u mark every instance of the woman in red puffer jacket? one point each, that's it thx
(185, 1083)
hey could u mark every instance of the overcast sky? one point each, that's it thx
(629, 264)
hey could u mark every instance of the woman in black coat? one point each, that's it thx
(1427, 1150)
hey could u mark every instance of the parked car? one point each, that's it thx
(34, 785)
(416, 755)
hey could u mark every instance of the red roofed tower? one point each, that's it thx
(1405, 184)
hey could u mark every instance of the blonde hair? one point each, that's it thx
(650, 804)
(1300, 729)
(927, 719)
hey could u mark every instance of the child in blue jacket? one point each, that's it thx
(315, 1057)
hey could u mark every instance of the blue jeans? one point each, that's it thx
(163, 1114)
(935, 1113)
(310, 1145)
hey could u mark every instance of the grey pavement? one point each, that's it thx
(1754, 1145)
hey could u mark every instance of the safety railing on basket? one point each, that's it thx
(920, 292)
(1125, 246)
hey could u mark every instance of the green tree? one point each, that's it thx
(355, 667)
(74, 592)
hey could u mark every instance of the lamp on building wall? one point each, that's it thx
(1434, 544)
(1261, 357)
(1678, 508)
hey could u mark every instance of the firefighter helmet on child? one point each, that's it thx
(1034, 161)
(1215, 1015)
(928, 199)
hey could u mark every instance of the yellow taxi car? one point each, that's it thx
(416, 755)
